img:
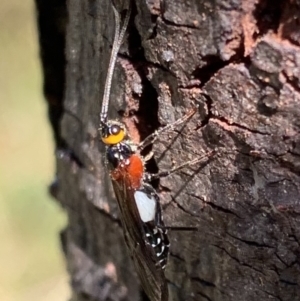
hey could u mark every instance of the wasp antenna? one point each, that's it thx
(118, 38)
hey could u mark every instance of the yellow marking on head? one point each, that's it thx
(116, 138)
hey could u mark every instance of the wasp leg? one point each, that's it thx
(159, 223)
(148, 156)
(153, 176)
(169, 127)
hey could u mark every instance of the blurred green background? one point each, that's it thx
(31, 261)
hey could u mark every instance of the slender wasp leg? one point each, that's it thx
(169, 127)
(150, 177)
(171, 228)
(148, 156)
(158, 222)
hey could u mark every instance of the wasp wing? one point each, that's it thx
(146, 262)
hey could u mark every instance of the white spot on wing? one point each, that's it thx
(146, 205)
(162, 250)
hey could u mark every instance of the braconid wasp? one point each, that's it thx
(138, 202)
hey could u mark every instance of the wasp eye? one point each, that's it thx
(115, 129)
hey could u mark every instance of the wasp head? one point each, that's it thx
(112, 132)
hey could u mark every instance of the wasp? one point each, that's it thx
(140, 212)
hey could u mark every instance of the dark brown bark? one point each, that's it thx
(240, 61)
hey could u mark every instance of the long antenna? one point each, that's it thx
(114, 53)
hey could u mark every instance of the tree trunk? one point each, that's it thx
(240, 61)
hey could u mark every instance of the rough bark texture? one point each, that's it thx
(240, 61)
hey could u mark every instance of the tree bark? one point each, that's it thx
(240, 61)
